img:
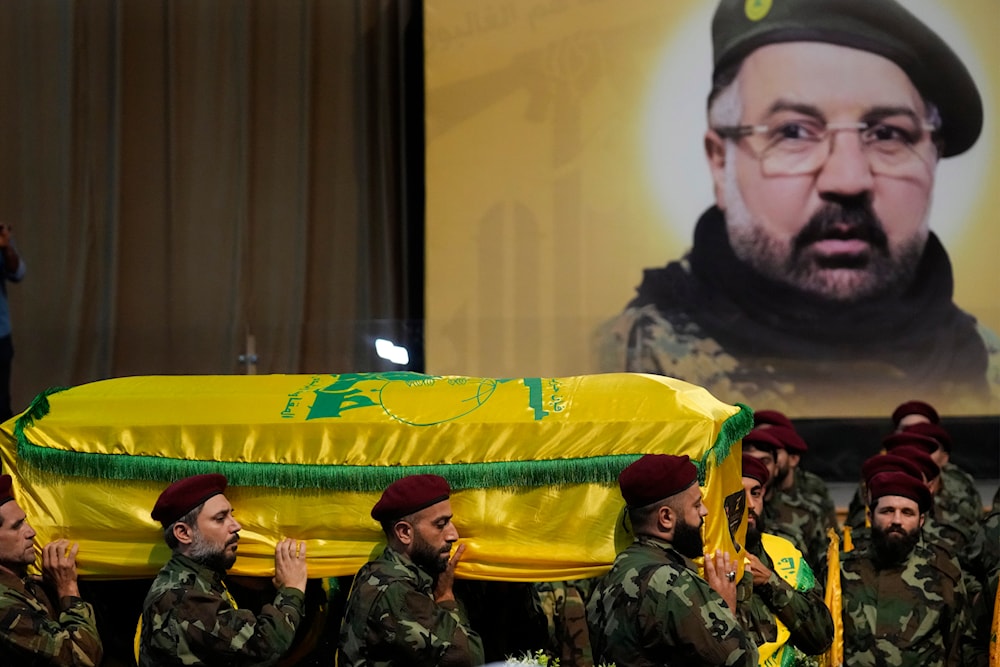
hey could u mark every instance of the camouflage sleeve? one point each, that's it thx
(565, 608)
(856, 511)
(423, 631)
(828, 513)
(29, 635)
(803, 612)
(213, 630)
(698, 619)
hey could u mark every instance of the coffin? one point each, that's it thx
(533, 463)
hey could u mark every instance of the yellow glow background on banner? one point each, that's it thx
(564, 155)
(532, 461)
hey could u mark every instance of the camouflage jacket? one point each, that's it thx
(857, 510)
(33, 632)
(991, 540)
(799, 608)
(958, 500)
(908, 615)
(564, 606)
(392, 619)
(814, 488)
(652, 608)
(964, 542)
(188, 618)
(792, 512)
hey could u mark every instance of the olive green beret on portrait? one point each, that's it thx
(882, 27)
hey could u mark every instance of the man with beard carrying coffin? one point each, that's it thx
(652, 608)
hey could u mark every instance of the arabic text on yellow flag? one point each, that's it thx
(533, 463)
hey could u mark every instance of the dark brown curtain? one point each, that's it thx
(184, 174)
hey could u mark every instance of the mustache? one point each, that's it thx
(233, 540)
(847, 220)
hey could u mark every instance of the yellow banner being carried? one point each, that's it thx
(533, 463)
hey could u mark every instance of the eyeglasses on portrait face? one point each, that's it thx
(897, 145)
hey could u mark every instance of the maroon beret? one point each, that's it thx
(890, 462)
(915, 408)
(754, 469)
(900, 438)
(789, 438)
(6, 489)
(771, 418)
(655, 477)
(410, 494)
(761, 438)
(935, 431)
(899, 484)
(920, 458)
(185, 494)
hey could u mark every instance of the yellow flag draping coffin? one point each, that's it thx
(533, 463)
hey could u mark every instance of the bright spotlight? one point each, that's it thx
(388, 350)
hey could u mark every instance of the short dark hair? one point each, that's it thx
(754, 447)
(190, 519)
(641, 517)
(387, 526)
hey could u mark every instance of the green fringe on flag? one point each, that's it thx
(496, 474)
(733, 429)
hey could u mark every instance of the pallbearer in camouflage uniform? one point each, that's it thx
(33, 631)
(564, 606)
(762, 444)
(402, 609)
(188, 617)
(903, 603)
(786, 611)
(790, 508)
(652, 608)
(808, 483)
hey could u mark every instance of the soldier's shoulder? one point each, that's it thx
(12, 599)
(812, 483)
(673, 584)
(647, 326)
(643, 563)
(855, 558)
(940, 560)
(386, 583)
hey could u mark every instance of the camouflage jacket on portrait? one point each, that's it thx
(908, 615)
(564, 606)
(392, 619)
(33, 632)
(642, 339)
(800, 608)
(652, 608)
(189, 618)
